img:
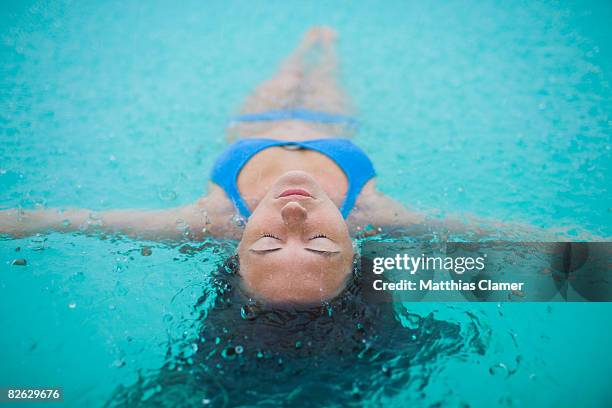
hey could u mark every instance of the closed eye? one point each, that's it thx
(264, 251)
(320, 252)
(266, 243)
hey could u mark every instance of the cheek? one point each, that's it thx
(254, 227)
(330, 217)
(261, 221)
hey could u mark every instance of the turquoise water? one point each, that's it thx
(500, 110)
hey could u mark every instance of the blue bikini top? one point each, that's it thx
(351, 159)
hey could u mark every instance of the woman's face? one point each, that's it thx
(296, 246)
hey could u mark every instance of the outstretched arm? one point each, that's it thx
(379, 211)
(207, 216)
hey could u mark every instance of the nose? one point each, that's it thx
(293, 214)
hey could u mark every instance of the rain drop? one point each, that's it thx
(498, 369)
(118, 363)
(248, 312)
(239, 221)
(37, 243)
(167, 194)
(181, 225)
(94, 220)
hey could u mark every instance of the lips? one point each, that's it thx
(295, 192)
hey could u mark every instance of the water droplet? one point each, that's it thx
(167, 194)
(146, 251)
(298, 344)
(248, 312)
(19, 262)
(78, 277)
(94, 220)
(72, 305)
(205, 401)
(205, 217)
(239, 220)
(120, 289)
(37, 243)
(239, 349)
(118, 363)
(181, 225)
(229, 353)
(498, 369)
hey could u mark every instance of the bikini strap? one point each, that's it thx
(297, 114)
(229, 164)
(353, 161)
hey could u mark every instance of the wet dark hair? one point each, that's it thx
(227, 274)
(339, 353)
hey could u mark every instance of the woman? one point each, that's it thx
(302, 189)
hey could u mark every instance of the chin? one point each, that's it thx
(297, 179)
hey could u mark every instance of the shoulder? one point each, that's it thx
(376, 209)
(219, 214)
